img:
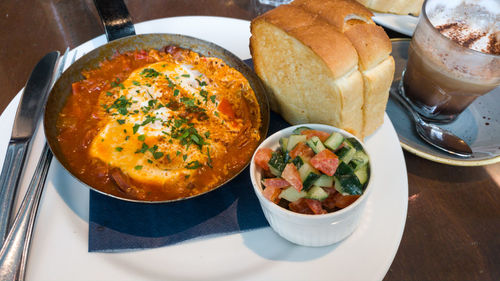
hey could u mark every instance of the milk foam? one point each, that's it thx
(478, 19)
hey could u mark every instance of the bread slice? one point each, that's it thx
(400, 7)
(371, 44)
(310, 69)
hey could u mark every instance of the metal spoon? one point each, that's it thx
(434, 135)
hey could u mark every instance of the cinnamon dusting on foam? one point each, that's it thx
(461, 34)
(470, 23)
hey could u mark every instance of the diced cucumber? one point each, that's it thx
(343, 169)
(291, 194)
(299, 130)
(346, 153)
(316, 144)
(275, 171)
(277, 163)
(359, 159)
(362, 174)
(305, 170)
(284, 144)
(317, 193)
(298, 162)
(308, 175)
(348, 185)
(309, 181)
(324, 181)
(334, 141)
(355, 143)
(293, 140)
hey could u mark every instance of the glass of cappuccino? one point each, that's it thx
(454, 57)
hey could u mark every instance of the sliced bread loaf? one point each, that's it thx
(324, 62)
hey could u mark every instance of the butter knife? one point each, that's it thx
(26, 120)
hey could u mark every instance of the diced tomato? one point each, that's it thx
(272, 193)
(300, 206)
(323, 136)
(315, 206)
(343, 201)
(275, 182)
(226, 108)
(325, 161)
(303, 150)
(291, 175)
(307, 206)
(262, 157)
(329, 202)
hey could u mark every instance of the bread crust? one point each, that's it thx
(318, 35)
(400, 7)
(336, 12)
(371, 42)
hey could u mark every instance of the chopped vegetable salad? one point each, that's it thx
(314, 172)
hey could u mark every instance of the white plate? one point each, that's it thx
(59, 250)
(404, 24)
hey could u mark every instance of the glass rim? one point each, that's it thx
(424, 15)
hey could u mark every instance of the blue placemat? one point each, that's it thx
(116, 225)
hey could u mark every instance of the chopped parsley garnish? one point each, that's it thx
(143, 149)
(209, 161)
(149, 119)
(119, 149)
(204, 94)
(153, 148)
(115, 83)
(120, 105)
(157, 154)
(138, 167)
(170, 83)
(135, 128)
(109, 94)
(152, 103)
(149, 72)
(136, 83)
(176, 92)
(193, 165)
(201, 83)
(186, 75)
(188, 101)
(212, 98)
(120, 121)
(141, 137)
(178, 122)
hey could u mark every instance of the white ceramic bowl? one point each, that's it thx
(302, 229)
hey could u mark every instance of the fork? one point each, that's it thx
(14, 252)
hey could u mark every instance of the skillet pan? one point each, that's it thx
(121, 38)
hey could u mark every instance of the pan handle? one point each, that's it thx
(115, 18)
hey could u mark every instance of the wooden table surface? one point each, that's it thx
(452, 229)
